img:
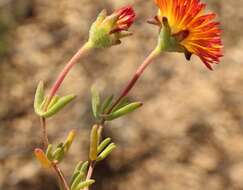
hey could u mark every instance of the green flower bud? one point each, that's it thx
(107, 31)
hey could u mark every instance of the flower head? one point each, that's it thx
(190, 30)
(108, 30)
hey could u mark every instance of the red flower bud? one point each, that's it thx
(126, 16)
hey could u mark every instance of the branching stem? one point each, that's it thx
(84, 49)
(54, 165)
(124, 93)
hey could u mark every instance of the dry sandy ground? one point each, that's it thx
(187, 136)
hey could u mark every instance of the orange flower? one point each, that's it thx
(194, 29)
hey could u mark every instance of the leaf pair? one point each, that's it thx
(54, 106)
(99, 151)
(100, 109)
(122, 111)
(61, 149)
(78, 180)
(55, 155)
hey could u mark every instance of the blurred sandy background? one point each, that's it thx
(187, 136)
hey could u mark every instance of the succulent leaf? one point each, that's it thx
(123, 111)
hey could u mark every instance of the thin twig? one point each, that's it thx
(54, 165)
(135, 78)
(44, 132)
(74, 60)
(54, 90)
(90, 172)
(91, 169)
(124, 93)
(60, 175)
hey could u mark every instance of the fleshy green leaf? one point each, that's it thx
(123, 111)
(107, 103)
(49, 152)
(78, 166)
(63, 101)
(84, 167)
(93, 143)
(77, 180)
(95, 102)
(39, 97)
(69, 140)
(100, 129)
(42, 106)
(84, 184)
(123, 102)
(74, 176)
(58, 154)
(106, 152)
(76, 171)
(103, 144)
(53, 101)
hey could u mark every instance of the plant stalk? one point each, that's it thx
(44, 132)
(61, 176)
(74, 60)
(135, 77)
(54, 165)
(154, 54)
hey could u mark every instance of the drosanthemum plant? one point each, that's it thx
(105, 32)
(183, 27)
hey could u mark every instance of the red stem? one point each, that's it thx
(135, 77)
(44, 132)
(54, 165)
(124, 93)
(61, 176)
(65, 71)
(90, 171)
